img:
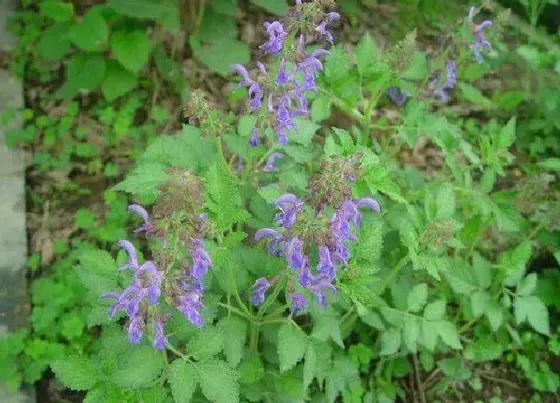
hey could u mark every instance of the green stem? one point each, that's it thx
(393, 273)
(236, 291)
(237, 311)
(177, 352)
(271, 297)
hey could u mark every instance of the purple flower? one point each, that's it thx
(255, 91)
(317, 286)
(282, 76)
(254, 139)
(298, 303)
(326, 265)
(258, 290)
(276, 36)
(289, 207)
(200, 260)
(150, 278)
(148, 226)
(189, 304)
(294, 253)
(397, 95)
(305, 277)
(369, 203)
(136, 329)
(269, 165)
(159, 337)
(321, 29)
(480, 42)
(128, 300)
(449, 83)
(131, 252)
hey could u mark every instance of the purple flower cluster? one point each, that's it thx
(449, 83)
(145, 289)
(285, 94)
(291, 246)
(480, 43)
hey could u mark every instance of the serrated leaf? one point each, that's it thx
(117, 82)
(417, 297)
(534, 311)
(448, 333)
(309, 365)
(390, 341)
(218, 381)
(411, 331)
(474, 96)
(435, 310)
(507, 135)
(235, 332)
(183, 379)
(219, 57)
(378, 181)
(479, 302)
(206, 343)
(429, 335)
(164, 11)
(144, 181)
(495, 314)
(141, 368)
(366, 54)
(84, 72)
(445, 202)
(552, 164)
(483, 350)
(76, 373)
(91, 33)
(292, 342)
(131, 49)
(528, 285)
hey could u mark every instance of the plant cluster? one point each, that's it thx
(279, 257)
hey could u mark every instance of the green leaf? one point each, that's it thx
(206, 343)
(309, 365)
(479, 302)
(483, 350)
(390, 341)
(507, 135)
(54, 42)
(144, 181)
(418, 67)
(164, 11)
(222, 197)
(495, 315)
(56, 10)
(366, 54)
(131, 49)
(304, 133)
(84, 72)
(141, 368)
(218, 381)
(76, 372)
(448, 333)
(226, 7)
(528, 285)
(370, 242)
(91, 33)
(474, 96)
(435, 310)
(97, 270)
(277, 7)
(429, 335)
(378, 180)
(514, 263)
(411, 331)
(534, 310)
(219, 57)
(321, 108)
(183, 379)
(84, 218)
(118, 81)
(292, 344)
(417, 297)
(552, 164)
(235, 332)
(445, 202)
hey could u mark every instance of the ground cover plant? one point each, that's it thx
(372, 220)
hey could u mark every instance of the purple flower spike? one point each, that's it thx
(397, 95)
(148, 226)
(282, 75)
(294, 253)
(289, 207)
(201, 260)
(305, 277)
(480, 42)
(326, 265)
(255, 91)
(136, 329)
(298, 303)
(369, 203)
(317, 286)
(269, 165)
(159, 337)
(254, 139)
(189, 305)
(267, 233)
(258, 290)
(276, 36)
(132, 259)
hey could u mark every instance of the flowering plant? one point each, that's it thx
(275, 245)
